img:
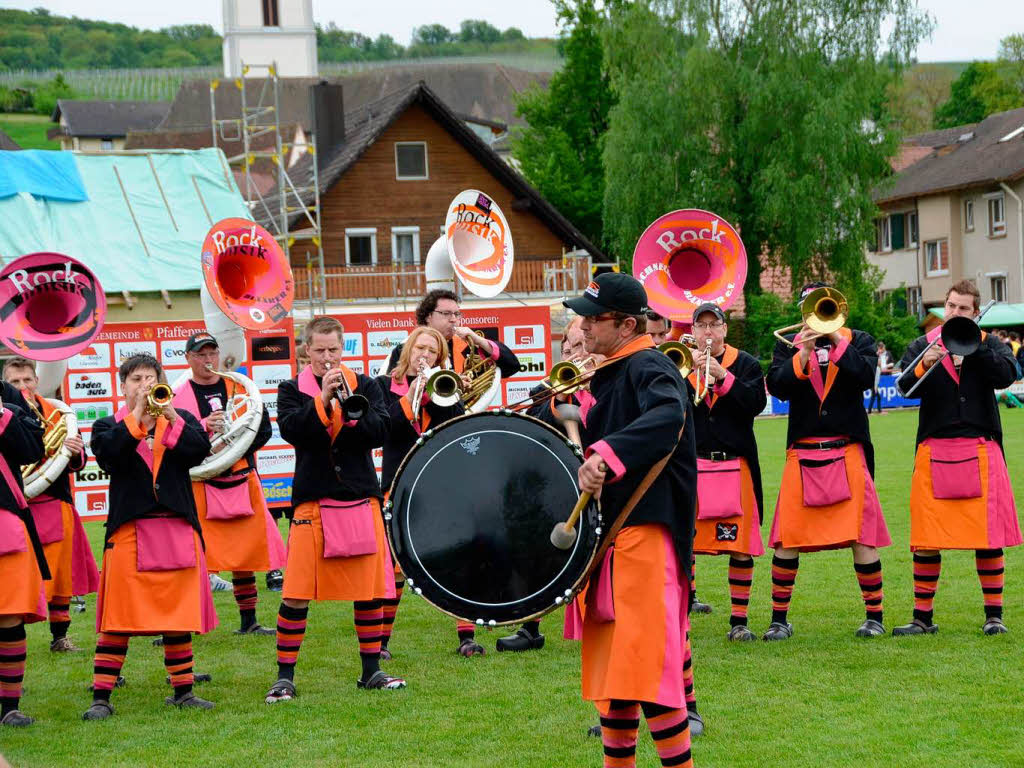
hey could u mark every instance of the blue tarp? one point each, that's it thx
(51, 175)
(142, 226)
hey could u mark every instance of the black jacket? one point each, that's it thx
(342, 470)
(21, 443)
(640, 406)
(61, 487)
(402, 435)
(967, 410)
(728, 425)
(263, 432)
(134, 492)
(842, 412)
(507, 361)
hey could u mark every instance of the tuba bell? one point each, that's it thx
(51, 308)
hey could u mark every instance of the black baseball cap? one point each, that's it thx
(709, 306)
(610, 292)
(199, 340)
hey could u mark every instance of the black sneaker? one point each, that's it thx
(188, 701)
(778, 631)
(696, 723)
(870, 628)
(522, 640)
(100, 709)
(916, 627)
(255, 629)
(17, 719)
(158, 642)
(994, 626)
(275, 580)
(741, 633)
(282, 690)
(698, 607)
(594, 730)
(470, 647)
(381, 681)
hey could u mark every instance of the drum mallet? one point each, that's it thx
(569, 417)
(563, 535)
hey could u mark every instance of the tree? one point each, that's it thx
(560, 149)
(478, 31)
(977, 93)
(432, 34)
(914, 98)
(1011, 60)
(513, 35)
(771, 114)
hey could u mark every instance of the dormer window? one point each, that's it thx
(410, 160)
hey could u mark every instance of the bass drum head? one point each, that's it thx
(471, 512)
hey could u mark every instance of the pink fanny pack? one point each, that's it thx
(718, 489)
(164, 544)
(600, 595)
(823, 476)
(13, 537)
(227, 498)
(49, 519)
(956, 471)
(348, 527)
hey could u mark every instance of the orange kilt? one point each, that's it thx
(987, 521)
(22, 593)
(857, 520)
(251, 543)
(309, 575)
(63, 562)
(151, 602)
(742, 532)
(638, 656)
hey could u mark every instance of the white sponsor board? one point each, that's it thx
(91, 502)
(379, 366)
(269, 376)
(96, 355)
(382, 342)
(278, 461)
(87, 413)
(125, 349)
(89, 385)
(524, 336)
(516, 390)
(531, 365)
(91, 475)
(352, 345)
(173, 352)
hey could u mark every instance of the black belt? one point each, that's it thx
(824, 446)
(717, 456)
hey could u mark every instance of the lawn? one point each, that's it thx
(823, 698)
(28, 131)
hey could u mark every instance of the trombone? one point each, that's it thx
(703, 388)
(959, 336)
(824, 311)
(441, 386)
(680, 355)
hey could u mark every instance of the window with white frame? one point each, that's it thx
(968, 215)
(410, 160)
(914, 300)
(996, 216)
(911, 230)
(106, 144)
(405, 245)
(884, 235)
(936, 257)
(361, 246)
(997, 283)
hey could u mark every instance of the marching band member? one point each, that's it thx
(337, 548)
(239, 533)
(154, 575)
(67, 549)
(425, 348)
(439, 310)
(658, 326)
(828, 498)
(633, 634)
(23, 566)
(729, 498)
(960, 497)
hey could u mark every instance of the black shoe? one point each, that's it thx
(698, 607)
(188, 701)
(17, 719)
(696, 723)
(778, 631)
(741, 633)
(470, 647)
(385, 654)
(916, 627)
(158, 641)
(255, 629)
(380, 681)
(282, 690)
(100, 709)
(870, 628)
(594, 730)
(994, 626)
(522, 640)
(119, 683)
(275, 580)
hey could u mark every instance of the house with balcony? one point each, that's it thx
(101, 126)
(954, 209)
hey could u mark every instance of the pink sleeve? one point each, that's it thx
(838, 350)
(5, 419)
(601, 448)
(494, 352)
(726, 385)
(171, 435)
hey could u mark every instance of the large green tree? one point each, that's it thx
(560, 148)
(980, 90)
(771, 114)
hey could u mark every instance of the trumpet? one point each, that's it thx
(353, 406)
(158, 398)
(824, 311)
(704, 382)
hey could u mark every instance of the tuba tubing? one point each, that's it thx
(240, 432)
(44, 475)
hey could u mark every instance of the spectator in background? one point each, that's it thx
(657, 326)
(884, 365)
(301, 358)
(1014, 342)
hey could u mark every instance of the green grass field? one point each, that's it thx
(28, 131)
(823, 698)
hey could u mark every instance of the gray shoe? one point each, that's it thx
(17, 719)
(916, 627)
(100, 709)
(699, 607)
(994, 626)
(741, 633)
(696, 723)
(870, 628)
(778, 631)
(282, 690)
(188, 701)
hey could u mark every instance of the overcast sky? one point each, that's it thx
(964, 30)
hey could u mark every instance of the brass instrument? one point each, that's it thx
(353, 406)
(158, 398)
(679, 354)
(442, 387)
(417, 389)
(55, 432)
(704, 382)
(824, 311)
(566, 377)
(482, 371)
(959, 335)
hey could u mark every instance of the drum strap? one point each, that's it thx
(634, 499)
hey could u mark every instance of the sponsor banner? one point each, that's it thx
(379, 367)
(125, 349)
(516, 389)
(353, 345)
(96, 355)
(91, 476)
(83, 386)
(87, 413)
(356, 366)
(91, 504)
(277, 490)
(276, 461)
(533, 364)
(378, 459)
(275, 436)
(524, 336)
(382, 342)
(172, 353)
(271, 348)
(270, 404)
(267, 377)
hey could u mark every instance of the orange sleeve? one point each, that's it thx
(919, 369)
(134, 427)
(800, 373)
(406, 408)
(322, 412)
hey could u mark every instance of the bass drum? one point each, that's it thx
(470, 516)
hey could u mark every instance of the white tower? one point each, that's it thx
(260, 32)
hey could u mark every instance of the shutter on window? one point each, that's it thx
(898, 227)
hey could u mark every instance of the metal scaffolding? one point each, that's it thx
(291, 197)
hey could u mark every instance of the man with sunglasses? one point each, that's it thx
(439, 310)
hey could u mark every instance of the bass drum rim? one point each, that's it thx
(590, 516)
